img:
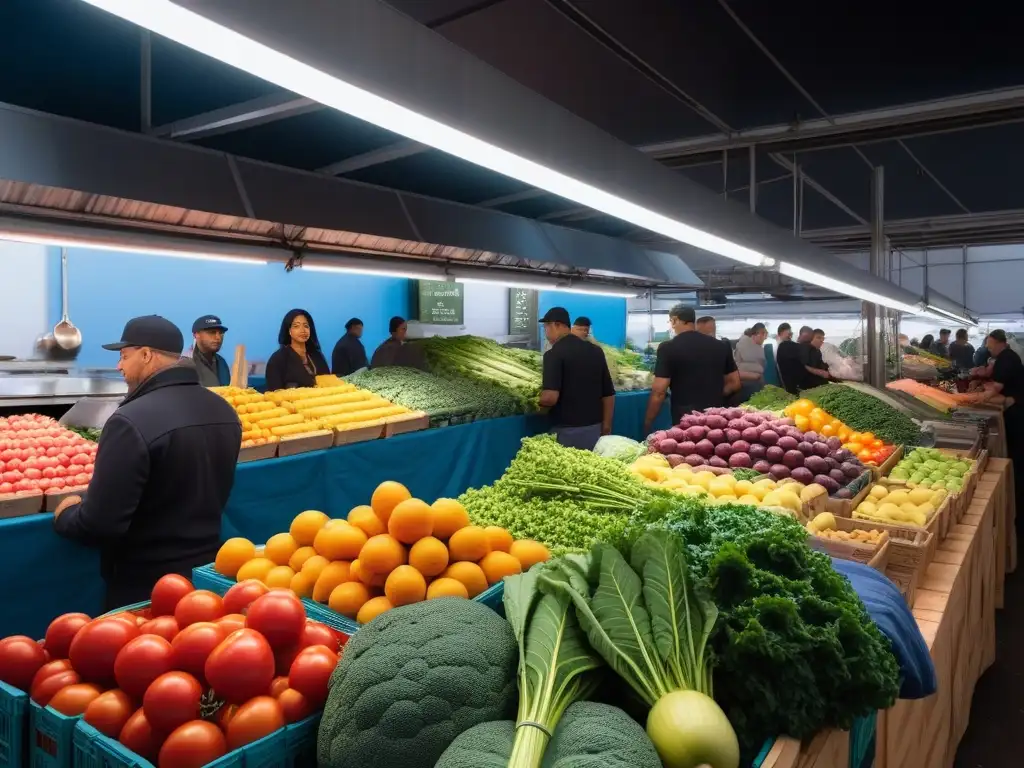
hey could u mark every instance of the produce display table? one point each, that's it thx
(47, 576)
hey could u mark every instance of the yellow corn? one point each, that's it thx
(262, 416)
(282, 421)
(334, 410)
(344, 397)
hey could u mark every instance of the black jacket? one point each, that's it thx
(164, 471)
(285, 369)
(349, 356)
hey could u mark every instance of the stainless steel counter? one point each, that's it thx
(27, 390)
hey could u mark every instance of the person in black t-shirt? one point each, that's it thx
(698, 369)
(576, 385)
(788, 358)
(815, 369)
(1008, 380)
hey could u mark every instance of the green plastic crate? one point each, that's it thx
(13, 726)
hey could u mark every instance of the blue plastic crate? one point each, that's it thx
(862, 741)
(205, 577)
(759, 760)
(50, 737)
(300, 738)
(13, 726)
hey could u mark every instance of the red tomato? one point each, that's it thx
(315, 633)
(95, 647)
(278, 685)
(141, 662)
(255, 719)
(238, 598)
(172, 700)
(192, 745)
(283, 659)
(201, 605)
(162, 626)
(231, 622)
(278, 616)
(109, 712)
(49, 669)
(166, 594)
(193, 645)
(241, 667)
(310, 672)
(62, 631)
(138, 735)
(20, 658)
(48, 687)
(224, 715)
(294, 705)
(73, 699)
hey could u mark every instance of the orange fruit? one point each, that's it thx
(339, 542)
(315, 565)
(358, 573)
(279, 576)
(470, 544)
(405, 585)
(302, 554)
(330, 577)
(446, 588)
(348, 598)
(449, 516)
(373, 608)
(497, 565)
(382, 554)
(280, 547)
(306, 525)
(470, 575)
(334, 521)
(529, 552)
(410, 521)
(499, 539)
(302, 584)
(232, 555)
(257, 568)
(429, 556)
(388, 495)
(366, 520)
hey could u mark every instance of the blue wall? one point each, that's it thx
(106, 288)
(607, 313)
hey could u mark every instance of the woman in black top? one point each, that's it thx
(299, 360)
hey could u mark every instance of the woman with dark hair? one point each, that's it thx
(926, 342)
(298, 361)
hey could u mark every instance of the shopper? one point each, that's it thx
(207, 339)
(164, 469)
(814, 364)
(707, 326)
(576, 385)
(941, 347)
(1008, 380)
(698, 369)
(349, 354)
(298, 360)
(749, 356)
(395, 351)
(581, 328)
(926, 342)
(961, 352)
(982, 357)
(789, 357)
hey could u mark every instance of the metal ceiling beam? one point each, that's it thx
(395, 151)
(515, 197)
(237, 117)
(929, 232)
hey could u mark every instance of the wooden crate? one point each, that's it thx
(311, 441)
(845, 507)
(874, 555)
(373, 431)
(13, 505)
(257, 452)
(52, 500)
(883, 469)
(407, 422)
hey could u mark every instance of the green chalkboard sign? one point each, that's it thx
(439, 302)
(522, 311)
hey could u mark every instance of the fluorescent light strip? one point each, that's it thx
(219, 42)
(942, 314)
(541, 286)
(396, 273)
(792, 270)
(133, 249)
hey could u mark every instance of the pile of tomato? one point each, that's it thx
(864, 445)
(38, 454)
(189, 679)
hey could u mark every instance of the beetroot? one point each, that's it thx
(769, 437)
(695, 460)
(821, 449)
(787, 443)
(676, 434)
(705, 448)
(793, 459)
(716, 436)
(668, 445)
(816, 464)
(674, 460)
(844, 493)
(829, 484)
(805, 448)
(774, 454)
(837, 475)
(757, 451)
(832, 463)
(716, 422)
(686, 447)
(850, 470)
(842, 455)
(724, 450)
(779, 472)
(750, 434)
(802, 475)
(811, 437)
(762, 466)
(717, 461)
(834, 443)
(740, 460)
(696, 433)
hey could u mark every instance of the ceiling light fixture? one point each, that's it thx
(849, 289)
(65, 242)
(382, 271)
(199, 33)
(540, 285)
(938, 313)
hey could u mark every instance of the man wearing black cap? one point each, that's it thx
(576, 385)
(349, 353)
(698, 369)
(581, 328)
(164, 469)
(208, 337)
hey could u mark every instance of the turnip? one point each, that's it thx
(779, 472)
(793, 459)
(686, 447)
(816, 464)
(834, 443)
(774, 454)
(687, 421)
(827, 482)
(757, 451)
(739, 424)
(805, 448)
(811, 437)
(787, 443)
(717, 461)
(802, 475)
(740, 460)
(724, 450)
(851, 470)
(716, 422)
(750, 434)
(676, 434)
(660, 435)
(696, 433)
(732, 435)
(716, 436)
(740, 446)
(769, 437)
(821, 449)
(705, 448)
(668, 445)
(695, 460)
(763, 466)
(837, 475)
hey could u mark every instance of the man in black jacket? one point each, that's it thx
(164, 469)
(349, 353)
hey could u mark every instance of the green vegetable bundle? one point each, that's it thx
(627, 368)
(865, 413)
(438, 397)
(770, 398)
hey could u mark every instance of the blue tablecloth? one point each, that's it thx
(46, 576)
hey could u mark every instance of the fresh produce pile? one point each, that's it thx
(517, 371)
(38, 455)
(933, 469)
(438, 397)
(925, 356)
(863, 412)
(92, 434)
(732, 437)
(900, 506)
(824, 526)
(189, 678)
(943, 397)
(396, 551)
(627, 368)
(864, 445)
(770, 398)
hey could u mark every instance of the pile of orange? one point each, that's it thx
(395, 551)
(808, 417)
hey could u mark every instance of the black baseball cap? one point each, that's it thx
(556, 315)
(582, 321)
(208, 323)
(151, 331)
